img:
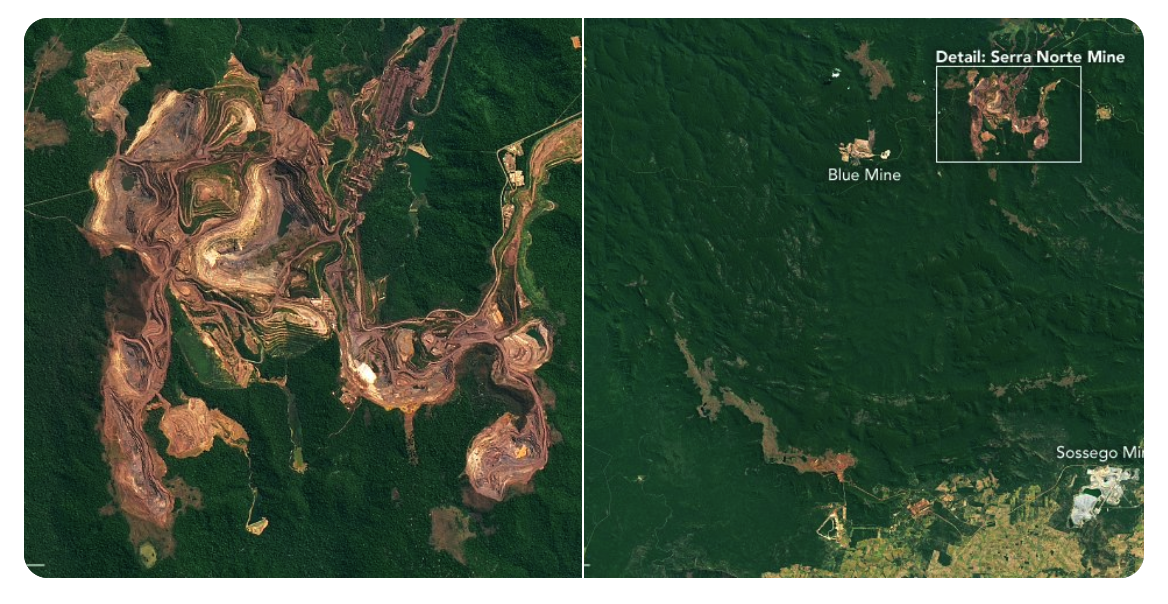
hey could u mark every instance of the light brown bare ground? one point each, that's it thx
(50, 58)
(186, 495)
(1068, 380)
(954, 82)
(40, 131)
(874, 69)
(192, 428)
(110, 69)
(1017, 222)
(334, 75)
(449, 530)
(827, 463)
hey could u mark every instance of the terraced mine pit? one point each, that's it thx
(249, 239)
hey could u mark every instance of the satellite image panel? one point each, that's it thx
(864, 298)
(302, 297)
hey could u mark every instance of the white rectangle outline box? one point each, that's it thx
(937, 118)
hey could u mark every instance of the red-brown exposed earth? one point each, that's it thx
(224, 197)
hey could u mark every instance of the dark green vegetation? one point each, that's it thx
(867, 317)
(341, 518)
